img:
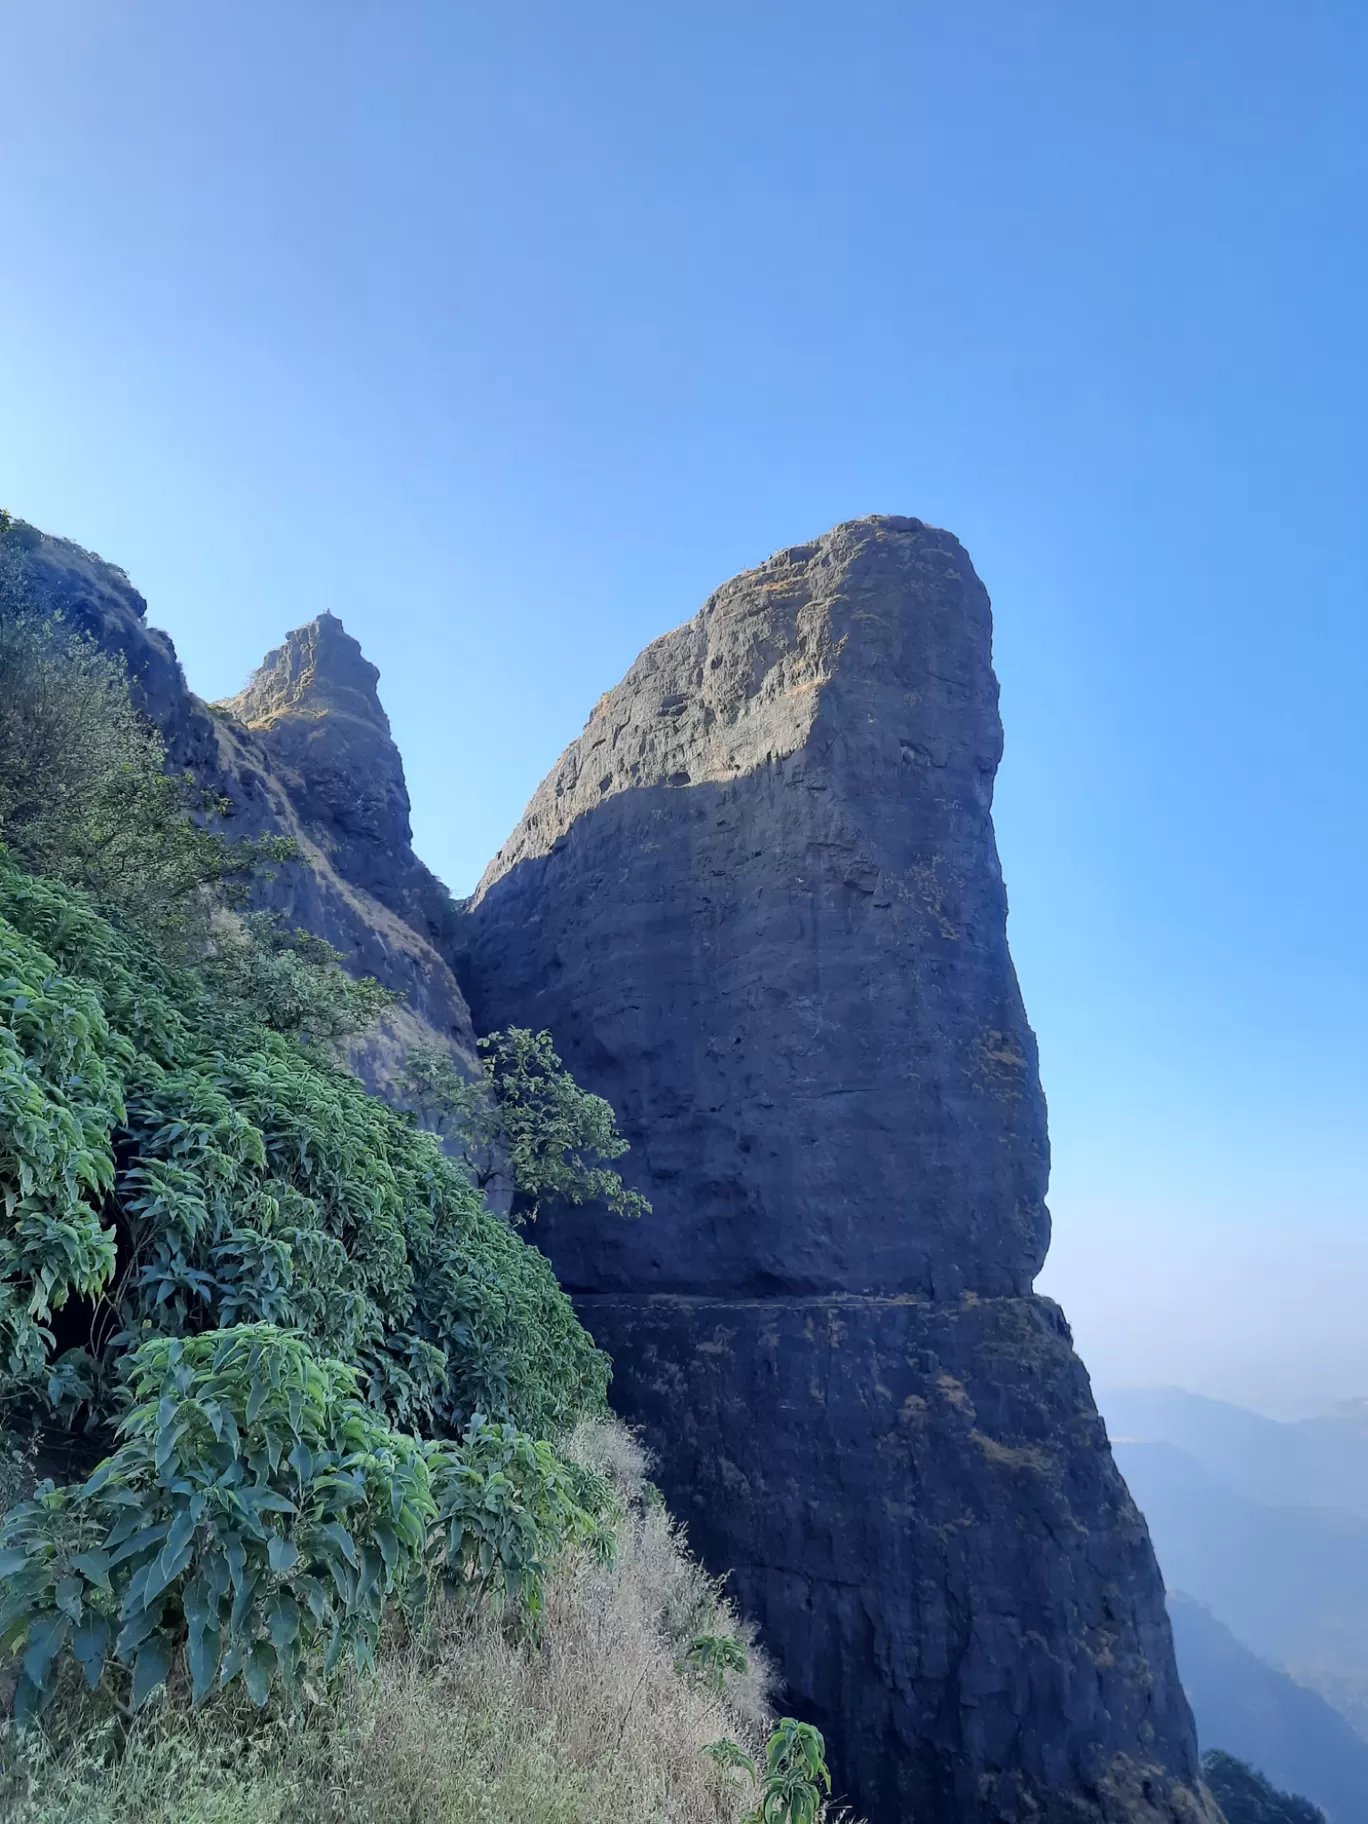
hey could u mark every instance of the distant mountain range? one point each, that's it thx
(1261, 1529)
(1313, 1463)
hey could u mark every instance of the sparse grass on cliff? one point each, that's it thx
(602, 1724)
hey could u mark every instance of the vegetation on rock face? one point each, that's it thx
(1246, 1797)
(529, 1118)
(85, 795)
(327, 1367)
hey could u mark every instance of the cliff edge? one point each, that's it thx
(759, 905)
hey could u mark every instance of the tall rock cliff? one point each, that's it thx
(758, 903)
(305, 751)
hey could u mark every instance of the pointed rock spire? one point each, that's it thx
(319, 670)
(314, 706)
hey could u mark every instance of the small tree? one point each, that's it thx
(527, 1116)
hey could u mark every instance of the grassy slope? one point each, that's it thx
(597, 1726)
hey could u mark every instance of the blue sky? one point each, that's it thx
(508, 332)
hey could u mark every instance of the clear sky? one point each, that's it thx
(507, 332)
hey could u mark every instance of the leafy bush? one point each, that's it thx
(292, 982)
(508, 1506)
(529, 1117)
(258, 1518)
(61, 1092)
(254, 1520)
(252, 1182)
(795, 1776)
(712, 1656)
(459, 1721)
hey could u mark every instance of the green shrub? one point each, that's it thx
(508, 1506)
(258, 1518)
(795, 1776)
(255, 1519)
(292, 982)
(711, 1657)
(462, 1719)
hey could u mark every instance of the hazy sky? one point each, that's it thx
(507, 332)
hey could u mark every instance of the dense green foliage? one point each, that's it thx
(794, 1779)
(177, 1170)
(315, 1345)
(290, 980)
(258, 1517)
(1246, 1797)
(463, 1718)
(507, 1505)
(529, 1118)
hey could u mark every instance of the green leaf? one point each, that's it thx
(47, 1636)
(141, 1541)
(283, 1554)
(342, 1539)
(388, 1541)
(236, 1553)
(93, 1566)
(182, 1527)
(204, 1647)
(90, 1645)
(266, 1500)
(166, 1569)
(150, 1668)
(255, 1400)
(68, 1596)
(283, 1620)
(242, 1602)
(260, 1670)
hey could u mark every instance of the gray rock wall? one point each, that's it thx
(758, 903)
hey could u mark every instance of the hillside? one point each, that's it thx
(1250, 1709)
(1289, 1578)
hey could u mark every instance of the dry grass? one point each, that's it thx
(599, 1726)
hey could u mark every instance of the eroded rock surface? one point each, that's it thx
(758, 903)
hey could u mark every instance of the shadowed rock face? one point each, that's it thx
(758, 903)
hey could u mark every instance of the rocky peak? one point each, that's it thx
(313, 705)
(758, 903)
(320, 670)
